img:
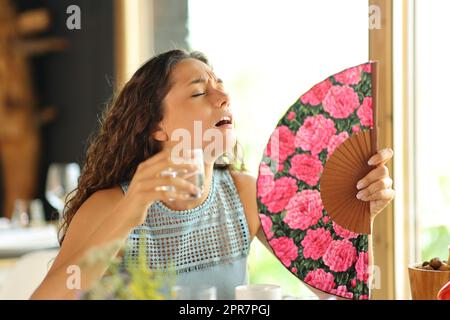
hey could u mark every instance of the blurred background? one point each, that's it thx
(268, 53)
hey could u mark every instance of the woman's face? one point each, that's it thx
(197, 111)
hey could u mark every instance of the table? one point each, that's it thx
(15, 243)
(5, 266)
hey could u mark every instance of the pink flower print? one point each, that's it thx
(335, 141)
(356, 128)
(365, 113)
(315, 134)
(291, 116)
(340, 255)
(304, 210)
(363, 297)
(341, 101)
(316, 243)
(281, 144)
(266, 224)
(306, 168)
(285, 249)
(349, 76)
(320, 279)
(325, 219)
(315, 96)
(367, 67)
(353, 75)
(342, 292)
(353, 283)
(294, 270)
(344, 233)
(283, 190)
(265, 183)
(361, 267)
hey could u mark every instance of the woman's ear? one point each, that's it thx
(160, 135)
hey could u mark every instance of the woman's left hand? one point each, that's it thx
(376, 186)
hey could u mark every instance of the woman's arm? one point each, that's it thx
(109, 216)
(246, 187)
(99, 221)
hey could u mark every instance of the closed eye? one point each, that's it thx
(198, 94)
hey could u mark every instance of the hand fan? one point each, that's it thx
(306, 187)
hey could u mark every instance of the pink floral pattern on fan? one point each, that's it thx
(266, 223)
(308, 243)
(286, 249)
(365, 112)
(315, 134)
(340, 255)
(341, 101)
(316, 242)
(335, 141)
(344, 233)
(361, 267)
(315, 96)
(304, 210)
(281, 144)
(321, 279)
(283, 190)
(350, 76)
(306, 168)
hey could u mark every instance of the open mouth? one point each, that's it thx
(224, 122)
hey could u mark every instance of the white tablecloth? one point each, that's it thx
(16, 242)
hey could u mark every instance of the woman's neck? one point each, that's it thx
(189, 204)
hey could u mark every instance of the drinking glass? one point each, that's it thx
(62, 178)
(28, 213)
(37, 215)
(197, 177)
(21, 214)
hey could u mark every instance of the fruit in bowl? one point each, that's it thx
(428, 280)
(435, 264)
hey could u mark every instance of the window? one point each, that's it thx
(431, 128)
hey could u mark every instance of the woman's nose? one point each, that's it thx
(222, 99)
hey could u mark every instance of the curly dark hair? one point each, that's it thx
(124, 138)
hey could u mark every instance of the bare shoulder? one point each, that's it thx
(104, 199)
(87, 219)
(246, 187)
(97, 206)
(95, 209)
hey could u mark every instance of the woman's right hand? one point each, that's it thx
(148, 186)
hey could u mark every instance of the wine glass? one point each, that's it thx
(62, 178)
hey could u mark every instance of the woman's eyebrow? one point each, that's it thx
(203, 80)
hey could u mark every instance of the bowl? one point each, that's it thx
(425, 284)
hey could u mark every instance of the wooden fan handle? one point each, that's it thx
(374, 131)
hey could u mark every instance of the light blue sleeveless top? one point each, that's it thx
(206, 245)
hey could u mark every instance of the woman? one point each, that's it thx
(121, 190)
